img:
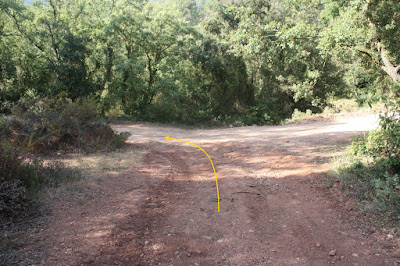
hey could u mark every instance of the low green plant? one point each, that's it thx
(345, 105)
(113, 114)
(298, 115)
(370, 169)
(335, 106)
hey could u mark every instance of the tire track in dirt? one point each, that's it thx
(128, 244)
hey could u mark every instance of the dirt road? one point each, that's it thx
(274, 208)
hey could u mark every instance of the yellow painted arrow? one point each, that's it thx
(215, 173)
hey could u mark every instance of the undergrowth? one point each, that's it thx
(337, 106)
(21, 180)
(369, 171)
(41, 126)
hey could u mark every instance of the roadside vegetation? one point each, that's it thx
(369, 170)
(38, 127)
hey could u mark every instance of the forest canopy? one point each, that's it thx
(198, 61)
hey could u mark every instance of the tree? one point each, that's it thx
(72, 70)
(147, 32)
(278, 43)
(368, 29)
(384, 18)
(45, 27)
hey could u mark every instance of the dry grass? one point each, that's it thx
(93, 168)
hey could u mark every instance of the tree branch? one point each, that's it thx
(24, 34)
(370, 56)
(53, 41)
(54, 9)
(366, 53)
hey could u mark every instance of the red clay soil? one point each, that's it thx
(275, 209)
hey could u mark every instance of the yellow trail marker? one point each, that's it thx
(215, 173)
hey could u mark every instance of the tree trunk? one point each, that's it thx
(148, 97)
(387, 66)
(109, 63)
(150, 69)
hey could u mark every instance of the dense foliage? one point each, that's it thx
(363, 35)
(252, 61)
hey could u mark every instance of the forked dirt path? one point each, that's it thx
(274, 209)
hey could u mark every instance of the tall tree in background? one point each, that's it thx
(45, 28)
(278, 42)
(144, 33)
(366, 29)
(383, 18)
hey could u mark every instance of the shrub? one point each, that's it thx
(372, 167)
(299, 115)
(382, 145)
(21, 179)
(41, 125)
(13, 199)
(346, 105)
(369, 182)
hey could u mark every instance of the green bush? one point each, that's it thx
(299, 115)
(382, 145)
(372, 167)
(370, 183)
(41, 125)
